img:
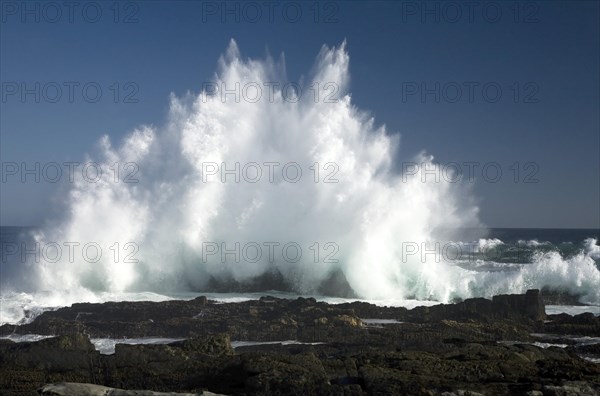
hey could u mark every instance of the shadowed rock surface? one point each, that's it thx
(478, 345)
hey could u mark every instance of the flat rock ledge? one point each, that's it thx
(78, 389)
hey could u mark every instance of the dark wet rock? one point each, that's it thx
(528, 306)
(26, 366)
(214, 345)
(477, 346)
(585, 324)
(559, 297)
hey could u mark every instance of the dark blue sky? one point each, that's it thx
(544, 56)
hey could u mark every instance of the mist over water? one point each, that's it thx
(350, 231)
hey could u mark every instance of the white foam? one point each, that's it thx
(536, 343)
(380, 321)
(577, 275)
(533, 243)
(549, 344)
(591, 359)
(106, 346)
(586, 340)
(485, 244)
(26, 337)
(238, 344)
(592, 249)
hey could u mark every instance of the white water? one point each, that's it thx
(370, 322)
(106, 346)
(23, 308)
(238, 344)
(368, 215)
(25, 337)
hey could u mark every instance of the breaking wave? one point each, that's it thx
(305, 183)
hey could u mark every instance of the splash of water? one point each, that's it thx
(178, 209)
(172, 213)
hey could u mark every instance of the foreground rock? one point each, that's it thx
(75, 389)
(477, 346)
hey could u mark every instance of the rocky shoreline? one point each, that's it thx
(502, 346)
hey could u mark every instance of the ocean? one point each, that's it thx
(494, 261)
